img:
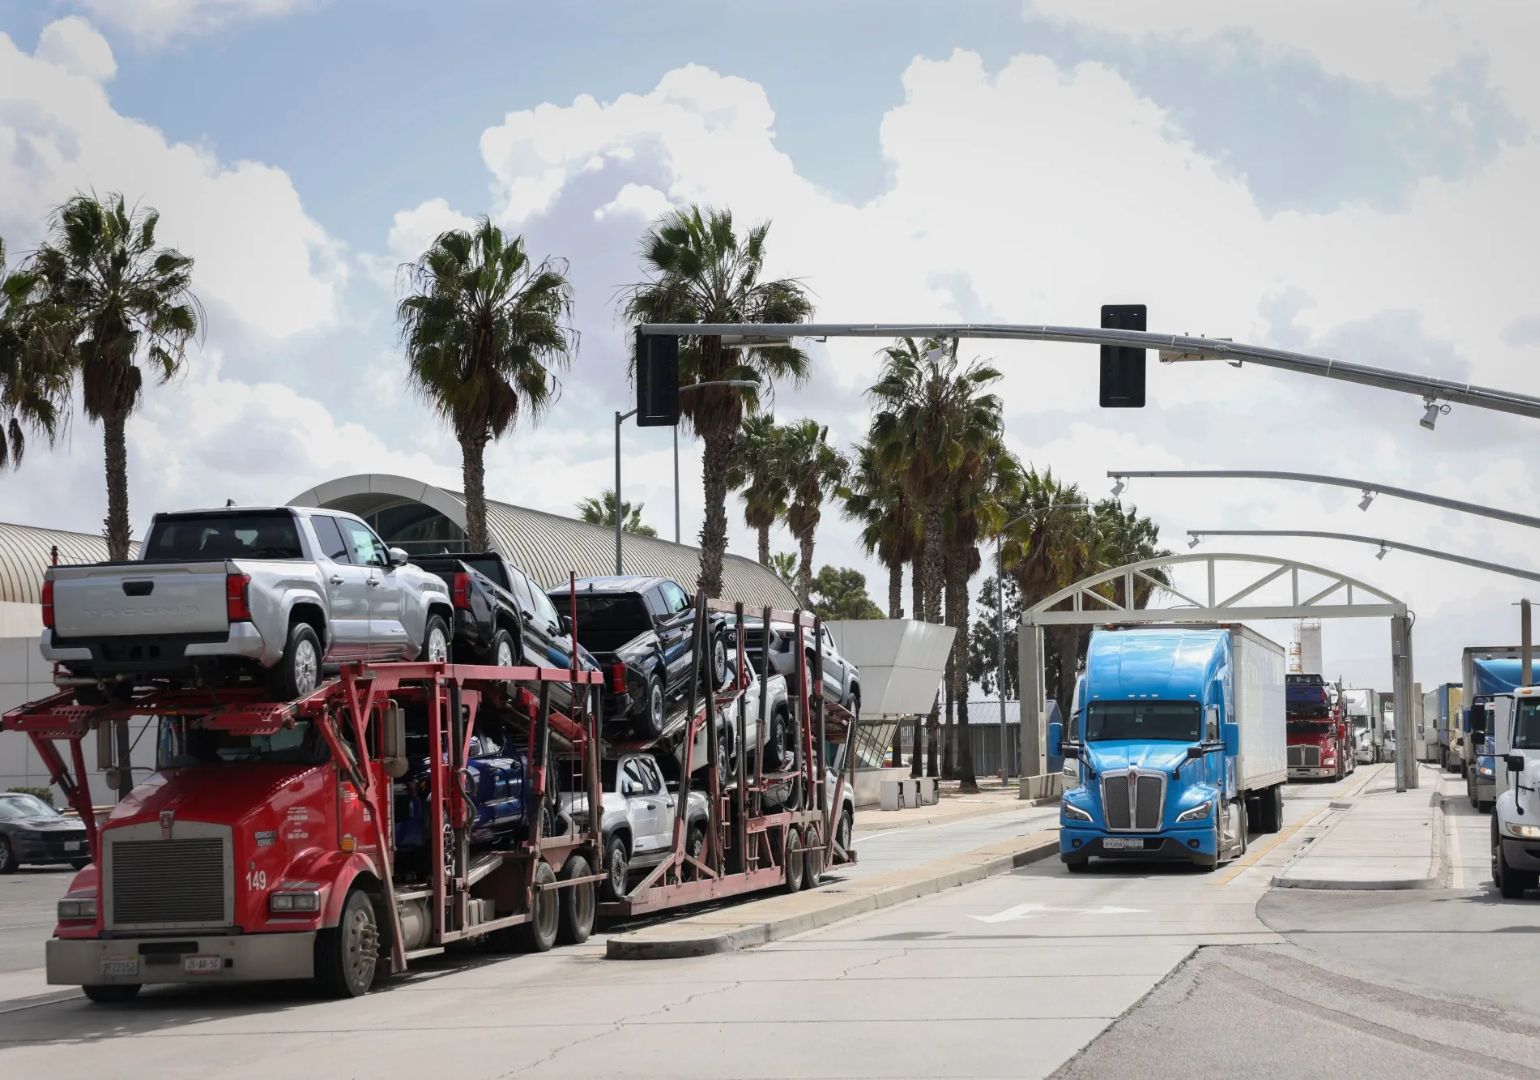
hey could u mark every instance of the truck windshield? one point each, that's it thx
(488, 567)
(216, 537)
(1165, 721)
(182, 746)
(1526, 726)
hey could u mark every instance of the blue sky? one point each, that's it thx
(1351, 180)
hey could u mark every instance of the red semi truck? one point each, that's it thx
(1320, 737)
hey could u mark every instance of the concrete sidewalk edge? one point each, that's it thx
(664, 942)
(1438, 866)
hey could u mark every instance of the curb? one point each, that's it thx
(1439, 866)
(670, 941)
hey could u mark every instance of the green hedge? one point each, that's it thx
(44, 793)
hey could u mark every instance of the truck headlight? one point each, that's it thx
(1197, 813)
(1073, 812)
(1484, 770)
(1521, 830)
(74, 909)
(296, 900)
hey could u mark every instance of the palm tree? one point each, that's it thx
(32, 383)
(484, 328)
(1124, 537)
(756, 472)
(811, 467)
(118, 304)
(601, 511)
(784, 563)
(889, 528)
(699, 271)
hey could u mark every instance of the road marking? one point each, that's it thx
(1027, 911)
(1254, 855)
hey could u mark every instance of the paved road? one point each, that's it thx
(27, 901)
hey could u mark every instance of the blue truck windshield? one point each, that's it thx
(1163, 721)
(1526, 728)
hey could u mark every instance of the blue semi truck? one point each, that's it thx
(1180, 744)
(1488, 670)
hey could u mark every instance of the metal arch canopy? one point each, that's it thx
(1214, 608)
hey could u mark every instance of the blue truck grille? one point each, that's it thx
(1143, 812)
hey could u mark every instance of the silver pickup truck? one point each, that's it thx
(244, 592)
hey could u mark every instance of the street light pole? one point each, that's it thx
(1384, 545)
(676, 483)
(620, 418)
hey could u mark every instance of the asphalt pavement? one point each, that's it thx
(27, 901)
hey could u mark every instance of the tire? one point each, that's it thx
(616, 861)
(502, 652)
(347, 955)
(1076, 864)
(813, 857)
(855, 705)
(780, 741)
(1270, 810)
(655, 709)
(843, 831)
(539, 934)
(1510, 883)
(576, 920)
(298, 671)
(436, 641)
(717, 673)
(794, 860)
(114, 994)
(695, 841)
(8, 863)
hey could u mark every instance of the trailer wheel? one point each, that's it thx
(539, 934)
(793, 859)
(113, 994)
(347, 955)
(577, 903)
(813, 857)
(616, 868)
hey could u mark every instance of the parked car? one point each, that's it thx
(640, 630)
(502, 617)
(841, 678)
(637, 815)
(775, 741)
(252, 592)
(33, 832)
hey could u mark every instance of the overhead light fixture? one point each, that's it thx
(936, 355)
(1363, 504)
(1383, 551)
(1194, 541)
(1432, 412)
(1117, 488)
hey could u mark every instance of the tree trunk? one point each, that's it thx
(932, 730)
(896, 590)
(117, 532)
(715, 462)
(947, 734)
(934, 563)
(764, 545)
(805, 571)
(898, 747)
(1068, 637)
(916, 760)
(917, 589)
(968, 782)
(473, 472)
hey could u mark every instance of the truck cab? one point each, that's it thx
(1165, 737)
(1319, 746)
(1516, 809)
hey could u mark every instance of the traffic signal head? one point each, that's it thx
(657, 380)
(1122, 383)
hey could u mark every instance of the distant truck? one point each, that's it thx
(1320, 740)
(1441, 726)
(1488, 670)
(1181, 746)
(1361, 711)
(1516, 811)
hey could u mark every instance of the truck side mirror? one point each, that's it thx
(398, 557)
(1515, 762)
(393, 740)
(1195, 752)
(1070, 750)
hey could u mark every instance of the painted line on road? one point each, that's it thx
(1254, 856)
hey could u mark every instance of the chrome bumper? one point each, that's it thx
(248, 958)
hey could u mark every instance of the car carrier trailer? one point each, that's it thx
(283, 862)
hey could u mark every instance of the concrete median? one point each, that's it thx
(1381, 839)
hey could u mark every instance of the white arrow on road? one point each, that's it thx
(1027, 911)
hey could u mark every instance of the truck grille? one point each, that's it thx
(168, 881)
(1149, 799)
(1304, 757)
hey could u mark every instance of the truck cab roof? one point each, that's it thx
(1165, 664)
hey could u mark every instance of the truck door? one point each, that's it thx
(833, 666)
(676, 629)
(667, 801)
(347, 588)
(642, 804)
(387, 638)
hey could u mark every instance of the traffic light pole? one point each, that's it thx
(1171, 346)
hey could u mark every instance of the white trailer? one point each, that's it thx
(1361, 706)
(1258, 682)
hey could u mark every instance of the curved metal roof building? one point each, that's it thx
(423, 518)
(26, 551)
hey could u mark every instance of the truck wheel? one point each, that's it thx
(299, 668)
(348, 954)
(844, 829)
(616, 864)
(113, 994)
(1076, 864)
(813, 857)
(793, 859)
(8, 861)
(539, 934)
(718, 671)
(435, 641)
(1510, 883)
(577, 903)
(655, 710)
(502, 652)
(695, 842)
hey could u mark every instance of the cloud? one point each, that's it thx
(636, 200)
(412, 231)
(59, 134)
(157, 23)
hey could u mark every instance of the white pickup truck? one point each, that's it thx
(244, 592)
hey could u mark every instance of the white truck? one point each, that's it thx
(1361, 707)
(1516, 812)
(274, 593)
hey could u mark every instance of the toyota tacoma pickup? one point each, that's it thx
(841, 678)
(245, 593)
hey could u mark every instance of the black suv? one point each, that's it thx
(640, 630)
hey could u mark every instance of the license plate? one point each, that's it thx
(1123, 843)
(202, 965)
(120, 965)
(72, 845)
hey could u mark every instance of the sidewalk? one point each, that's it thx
(1380, 839)
(990, 799)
